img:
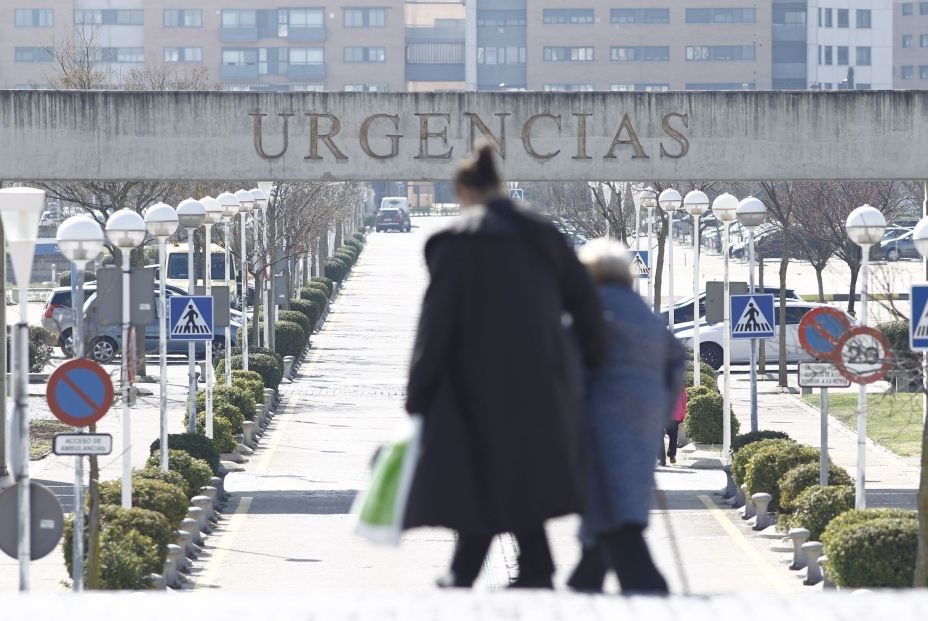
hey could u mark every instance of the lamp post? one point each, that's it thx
(20, 210)
(696, 203)
(725, 207)
(214, 213)
(266, 187)
(751, 213)
(647, 198)
(246, 201)
(190, 215)
(865, 226)
(126, 230)
(80, 240)
(161, 222)
(670, 201)
(230, 209)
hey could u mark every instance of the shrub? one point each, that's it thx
(315, 295)
(897, 333)
(41, 347)
(698, 391)
(336, 269)
(241, 399)
(857, 516)
(196, 472)
(804, 476)
(153, 473)
(326, 282)
(704, 419)
(193, 444)
(224, 410)
(816, 506)
(299, 319)
(354, 245)
(270, 371)
(347, 255)
(358, 235)
(877, 553)
(254, 388)
(168, 500)
(309, 310)
(740, 441)
(243, 374)
(276, 358)
(770, 463)
(740, 460)
(64, 279)
(289, 338)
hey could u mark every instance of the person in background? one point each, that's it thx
(497, 376)
(673, 430)
(629, 399)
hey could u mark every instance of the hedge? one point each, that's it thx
(697, 391)
(254, 387)
(770, 463)
(816, 506)
(327, 282)
(359, 236)
(239, 398)
(354, 245)
(877, 553)
(897, 333)
(289, 338)
(742, 440)
(857, 516)
(42, 345)
(740, 460)
(193, 444)
(266, 366)
(309, 310)
(64, 280)
(704, 419)
(168, 500)
(315, 295)
(277, 359)
(196, 472)
(298, 318)
(804, 476)
(221, 408)
(336, 269)
(153, 473)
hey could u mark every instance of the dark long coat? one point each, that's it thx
(497, 374)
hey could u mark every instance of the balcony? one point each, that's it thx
(446, 31)
(238, 72)
(314, 72)
(427, 72)
(312, 33)
(238, 34)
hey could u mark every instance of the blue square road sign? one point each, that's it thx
(191, 318)
(752, 316)
(918, 326)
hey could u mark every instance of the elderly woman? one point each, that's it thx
(630, 399)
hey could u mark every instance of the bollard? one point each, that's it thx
(259, 415)
(738, 501)
(217, 483)
(176, 552)
(157, 582)
(243, 449)
(288, 366)
(761, 502)
(827, 583)
(248, 433)
(185, 540)
(748, 511)
(812, 551)
(205, 503)
(731, 490)
(798, 536)
(199, 515)
(269, 399)
(193, 527)
(213, 493)
(171, 577)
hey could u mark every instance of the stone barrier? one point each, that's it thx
(798, 536)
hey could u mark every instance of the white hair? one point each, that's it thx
(607, 260)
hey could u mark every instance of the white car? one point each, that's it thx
(711, 338)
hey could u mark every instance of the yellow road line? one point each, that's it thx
(765, 568)
(216, 561)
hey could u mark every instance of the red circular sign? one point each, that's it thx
(820, 331)
(79, 392)
(864, 355)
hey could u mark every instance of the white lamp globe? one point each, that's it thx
(190, 214)
(161, 220)
(125, 229)
(249, 200)
(751, 212)
(80, 239)
(696, 203)
(865, 225)
(920, 237)
(669, 200)
(230, 205)
(214, 210)
(647, 198)
(725, 208)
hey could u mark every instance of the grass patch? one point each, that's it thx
(41, 434)
(893, 420)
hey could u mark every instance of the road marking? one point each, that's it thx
(765, 568)
(216, 561)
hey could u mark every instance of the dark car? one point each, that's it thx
(392, 219)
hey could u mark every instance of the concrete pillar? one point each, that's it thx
(812, 551)
(761, 504)
(748, 511)
(798, 536)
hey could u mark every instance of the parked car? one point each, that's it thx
(711, 339)
(683, 310)
(899, 247)
(391, 218)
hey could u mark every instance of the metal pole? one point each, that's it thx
(753, 341)
(21, 424)
(163, 353)
(726, 382)
(650, 275)
(823, 441)
(124, 377)
(191, 346)
(670, 267)
(696, 373)
(77, 335)
(3, 363)
(637, 242)
(228, 329)
(244, 327)
(861, 487)
(208, 346)
(268, 276)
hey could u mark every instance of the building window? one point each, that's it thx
(566, 88)
(183, 54)
(906, 72)
(437, 53)
(863, 55)
(828, 57)
(641, 52)
(35, 18)
(923, 40)
(923, 8)
(862, 86)
(183, 18)
(843, 55)
(306, 56)
(906, 40)
(500, 56)
(843, 18)
(923, 72)
(828, 15)
(568, 16)
(789, 53)
(863, 18)
(240, 58)
(721, 16)
(565, 54)
(720, 52)
(500, 19)
(109, 17)
(366, 88)
(907, 10)
(639, 16)
(646, 88)
(239, 19)
(122, 54)
(33, 55)
(298, 18)
(365, 18)
(789, 16)
(721, 86)
(365, 54)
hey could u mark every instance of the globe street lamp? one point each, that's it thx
(265, 187)
(80, 240)
(161, 222)
(190, 215)
(865, 226)
(20, 210)
(725, 207)
(751, 214)
(126, 230)
(246, 201)
(230, 209)
(214, 213)
(696, 204)
(647, 199)
(670, 201)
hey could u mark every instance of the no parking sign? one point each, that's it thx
(821, 330)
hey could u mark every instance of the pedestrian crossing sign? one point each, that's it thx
(918, 332)
(752, 316)
(191, 318)
(640, 263)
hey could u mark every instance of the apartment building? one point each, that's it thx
(910, 45)
(846, 35)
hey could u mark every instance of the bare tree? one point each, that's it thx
(77, 63)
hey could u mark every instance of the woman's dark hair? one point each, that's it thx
(478, 171)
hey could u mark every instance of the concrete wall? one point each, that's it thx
(609, 136)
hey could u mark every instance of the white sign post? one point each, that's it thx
(822, 375)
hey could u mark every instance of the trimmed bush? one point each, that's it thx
(299, 319)
(275, 356)
(309, 310)
(740, 460)
(355, 245)
(289, 338)
(193, 444)
(816, 506)
(42, 345)
(224, 410)
(336, 269)
(255, 388)
(243, 374)
(266, 366)
(316, 295)
(326, 282)
(359, 236)
(804, 476)
(858, 516)
(152, 473)
(64, 279)
(742, 440)
(704, 419)
(196, 472)
(241, 399)
(165, 498)
(347, 255)
(697, 391)
(877, 553)
(770, 463)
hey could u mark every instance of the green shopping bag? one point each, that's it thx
(379, 511)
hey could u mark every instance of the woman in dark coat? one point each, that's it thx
(498, 378)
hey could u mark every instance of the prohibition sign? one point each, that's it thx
(79, 392)
(820, 331)
(864, 355)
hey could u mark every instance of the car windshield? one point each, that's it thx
(177, 266)
(389, 212)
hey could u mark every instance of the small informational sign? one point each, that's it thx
(821, 375)
(191, 318)
(79, 392)
(517, 194)
(820, 330)
(918, 333)
(640, 263)
(752, 316)
(83, 444)
(865, 355)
